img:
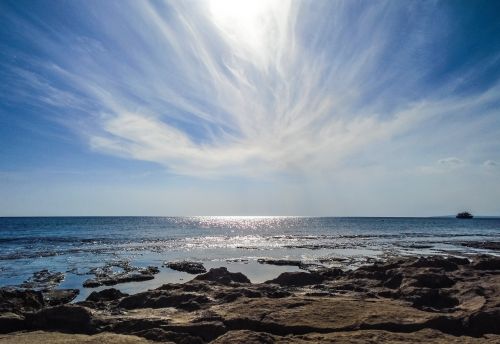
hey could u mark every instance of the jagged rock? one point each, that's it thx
(431, 280)
(221, 275)
(207, 331)
(10, 322)
(280, 262)
(331, 273)
(394, 281)
(106, 295)
(435, 262)
(57, 297)
(487, 263)
(43, 279)
(186, 266)
(159, 299)
(237, 293)
(485, 245)
(17, 301)
(297, 279)
(65, 318)
(191, 286)
(432, 299)
(485, 321)
(117, 279)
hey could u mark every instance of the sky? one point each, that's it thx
(230, 107)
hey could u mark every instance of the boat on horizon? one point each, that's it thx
(464, 215)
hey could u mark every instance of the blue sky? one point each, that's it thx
(224, 107)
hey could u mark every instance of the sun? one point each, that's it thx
(246, 24)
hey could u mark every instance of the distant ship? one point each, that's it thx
(464, 215)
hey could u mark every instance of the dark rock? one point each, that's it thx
(10, 322)
(158, 299)
(16, 300)
(485, 321)
(394, 281)
(272, 291)
(485, 245)
(280, 262)
(381, 266)
(106, 276)
(458, 260)
(432, 299)
(57, 297)
(65, 318)
(43, 279)
(117, 279)
(106, 295)
(186, 266)
(236, 294)
(487, 263)
(207, 331)
(150, 270)
(191, 286)
(431, 280)
(297, 279)
(221, 275)
(435, 262)
(331, 273)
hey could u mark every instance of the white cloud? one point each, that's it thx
(451, 162)
(491, 163)
(246, 88)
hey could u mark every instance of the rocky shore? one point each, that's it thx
(400, 300)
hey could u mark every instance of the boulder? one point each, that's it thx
(221, 275)
(432, 299)
(11, 322)
(435, 262)
(186, 266)
(65, 318)
(57, 297)
(487, 263)
(297, 279)
(43, 279)
(17, 300)
(118, 278)
(432, 280)
(110, 294)
(159, 299)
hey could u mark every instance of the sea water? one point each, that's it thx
(74, 245)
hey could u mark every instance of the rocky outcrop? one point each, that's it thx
(221, 275)
(65, 318)
(193, 268)
(129, 275)
(402, 300)
(43, 279)
(20, 301)
(297, 279)
(110, 294)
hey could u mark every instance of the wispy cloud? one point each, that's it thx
(249, 88)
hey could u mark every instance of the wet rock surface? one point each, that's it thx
(119, 272)
(185, 266)
(222, 275)
(43, 279)
(403, 300)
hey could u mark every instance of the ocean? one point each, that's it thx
(75, 245)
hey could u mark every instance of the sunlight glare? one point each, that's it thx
(248, 24)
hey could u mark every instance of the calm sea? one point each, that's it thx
(74, 245)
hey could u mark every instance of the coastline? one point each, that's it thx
(433, 299)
